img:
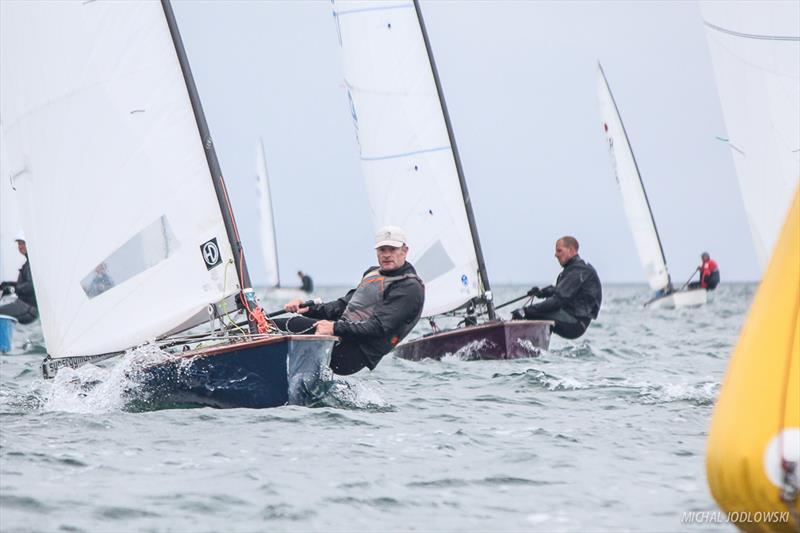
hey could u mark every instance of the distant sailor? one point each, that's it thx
(24, 307)
(372, 318)
(306, 281)
(574, 301)
(709, 274)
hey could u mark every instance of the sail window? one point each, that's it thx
(144, 250)
(434, 262)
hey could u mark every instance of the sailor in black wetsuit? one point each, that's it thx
(306, 281)
(575, 299)
(372, 318)
(24, 307)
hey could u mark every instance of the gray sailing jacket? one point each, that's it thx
(378, 324)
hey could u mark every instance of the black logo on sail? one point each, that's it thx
(211, 253)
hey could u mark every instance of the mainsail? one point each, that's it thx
(266, 222)
(634, 197)
(125, 232)
(10, 258)
(408, 153)
(755, 49)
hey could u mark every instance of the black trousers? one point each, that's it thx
(21, 311)
(567, 326)
(346, 358)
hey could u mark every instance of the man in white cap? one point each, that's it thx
(24, 307)
(372, 318)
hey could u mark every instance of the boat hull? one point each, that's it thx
(678, 299)
(254, 374)
(494, 340)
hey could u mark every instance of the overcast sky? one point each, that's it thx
(520, 83)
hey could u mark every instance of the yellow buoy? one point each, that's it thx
(754, 441)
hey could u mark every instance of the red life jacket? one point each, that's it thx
(705, 270)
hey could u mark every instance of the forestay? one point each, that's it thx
(406, 156)
(755, 49)
(10, 258)
(634, 197)
(125, 233)
(266, 222)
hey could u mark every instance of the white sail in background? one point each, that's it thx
(266, 219)
(406, 156)
(755, 49)
(124, 230)
(10, 258)
(634, 197)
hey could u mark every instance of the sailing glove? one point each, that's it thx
(517, 314)
(534, 292)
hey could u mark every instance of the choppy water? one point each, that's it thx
(602, 434)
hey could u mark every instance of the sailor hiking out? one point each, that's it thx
(371, 318)
(575, 299)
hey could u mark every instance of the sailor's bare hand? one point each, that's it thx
(294, 306)
(324, 327)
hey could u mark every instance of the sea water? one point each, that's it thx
(603, 433)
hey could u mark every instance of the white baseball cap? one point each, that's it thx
(390, 236)
(20, 236)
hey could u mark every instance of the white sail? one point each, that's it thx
(266, 219)
(755, 49)
(406, 156)
(125, 234)
(10, 258)
(634, 197)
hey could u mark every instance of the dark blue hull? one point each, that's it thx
(255, 374)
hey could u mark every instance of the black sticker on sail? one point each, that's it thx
(211, 254)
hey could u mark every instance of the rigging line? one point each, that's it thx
(367, 9)
(751, 35)
(406, 154)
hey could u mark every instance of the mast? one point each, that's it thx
(271, 212)
(211, 155)
(638, 174)
(473, 229)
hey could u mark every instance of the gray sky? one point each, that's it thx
(519, 80)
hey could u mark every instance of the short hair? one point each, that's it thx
(570, 242)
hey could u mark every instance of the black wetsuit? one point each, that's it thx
(573, 302)
(365, 342)
(24, 307)
(308, 283)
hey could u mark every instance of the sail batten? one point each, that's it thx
(126, 236)
(634, 197)
(408, 155)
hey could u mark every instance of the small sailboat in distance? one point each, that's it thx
(266, 225)
(266, 219)
(131, 234)
(415, 180)
(637, 208)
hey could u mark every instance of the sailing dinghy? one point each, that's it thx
(266, 219)
(269, 240)
(637, 208)
(131, 234)
(415, 180)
